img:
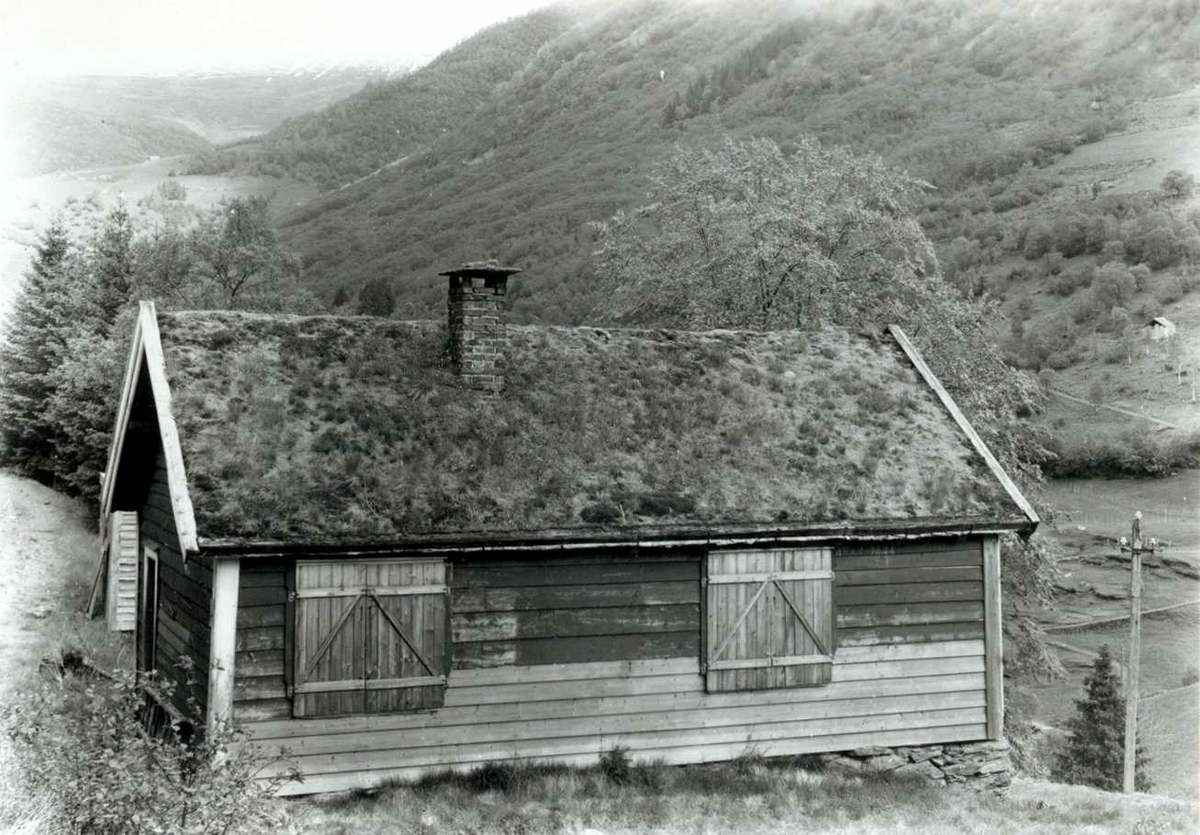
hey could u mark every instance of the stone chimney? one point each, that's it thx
(478, 340)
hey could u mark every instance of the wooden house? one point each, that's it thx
(396, 547)
(1159, 328)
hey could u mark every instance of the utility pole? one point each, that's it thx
(1135, 548)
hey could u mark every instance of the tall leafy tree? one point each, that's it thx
(35, 342)
(236, 249)
(1095, 753)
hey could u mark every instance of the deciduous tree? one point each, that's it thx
(236, 248)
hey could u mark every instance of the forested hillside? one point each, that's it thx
(977, 99)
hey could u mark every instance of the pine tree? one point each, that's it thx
(1095, 754)
(35, 341)
(112, 267)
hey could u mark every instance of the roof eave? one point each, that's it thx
(602, 538)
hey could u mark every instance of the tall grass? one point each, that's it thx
(754, 795)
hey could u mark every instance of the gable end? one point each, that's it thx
(146, 362)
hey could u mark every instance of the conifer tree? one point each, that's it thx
(35, 341)
(1095, 754)
(112, 268)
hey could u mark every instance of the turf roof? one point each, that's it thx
(328, 428)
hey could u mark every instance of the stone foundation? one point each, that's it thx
(978, 765)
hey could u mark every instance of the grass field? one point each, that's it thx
(1092, 514)
(750, 800)
(1162, 135)
(1170, 507)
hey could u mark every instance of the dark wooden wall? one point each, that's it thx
(908, 592)
(574, 609)
(184, 594)
(259, 687)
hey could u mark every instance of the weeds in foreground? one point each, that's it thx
(92, 758)
(755, 796)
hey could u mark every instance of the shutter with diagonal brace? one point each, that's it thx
(371, 636)
(769, 619)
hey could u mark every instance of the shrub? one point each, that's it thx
(1128, 454)
(1178, 183)
(83, 743)
(1094, 755)
(493, 777)
(616, 765)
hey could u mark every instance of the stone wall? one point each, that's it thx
(979, 765)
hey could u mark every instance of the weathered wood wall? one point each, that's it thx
(566, 658)
(909, 593)
(577, 609)
(184, 595)
(260, 687)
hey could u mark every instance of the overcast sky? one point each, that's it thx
(68, 37)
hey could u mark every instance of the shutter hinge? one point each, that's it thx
(291, 691)
(291, 596)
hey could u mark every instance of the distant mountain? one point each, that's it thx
(392, 119)
(510, 144)
(90, 121)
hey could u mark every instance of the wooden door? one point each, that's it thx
(769, 619)
(371, 636)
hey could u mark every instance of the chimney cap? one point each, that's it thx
(484, 269)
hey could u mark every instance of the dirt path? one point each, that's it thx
(47, 549)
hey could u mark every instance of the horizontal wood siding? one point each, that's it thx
(259, 689)
(884, 695)
(563, 659)
(184, 596)
(901, 593)
(573, 610)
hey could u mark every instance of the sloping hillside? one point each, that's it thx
(390, 120)
(966, 97)
(69, 123)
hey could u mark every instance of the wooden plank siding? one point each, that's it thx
(184, 596)
(903, 593)
(260, 667)
(879, 695)
(574, 609)
(562, 659)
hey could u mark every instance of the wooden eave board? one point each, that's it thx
(146, 352)
(564, 542)
(932, 381)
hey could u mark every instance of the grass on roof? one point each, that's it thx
(338, 427)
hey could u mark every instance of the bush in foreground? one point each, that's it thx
(84, 750)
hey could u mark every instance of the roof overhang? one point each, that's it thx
(717, 536)
(146, 353)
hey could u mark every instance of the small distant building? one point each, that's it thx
(1159, 328)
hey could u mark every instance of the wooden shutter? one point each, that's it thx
(769, 619)
(371, 636)
(120, 608)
